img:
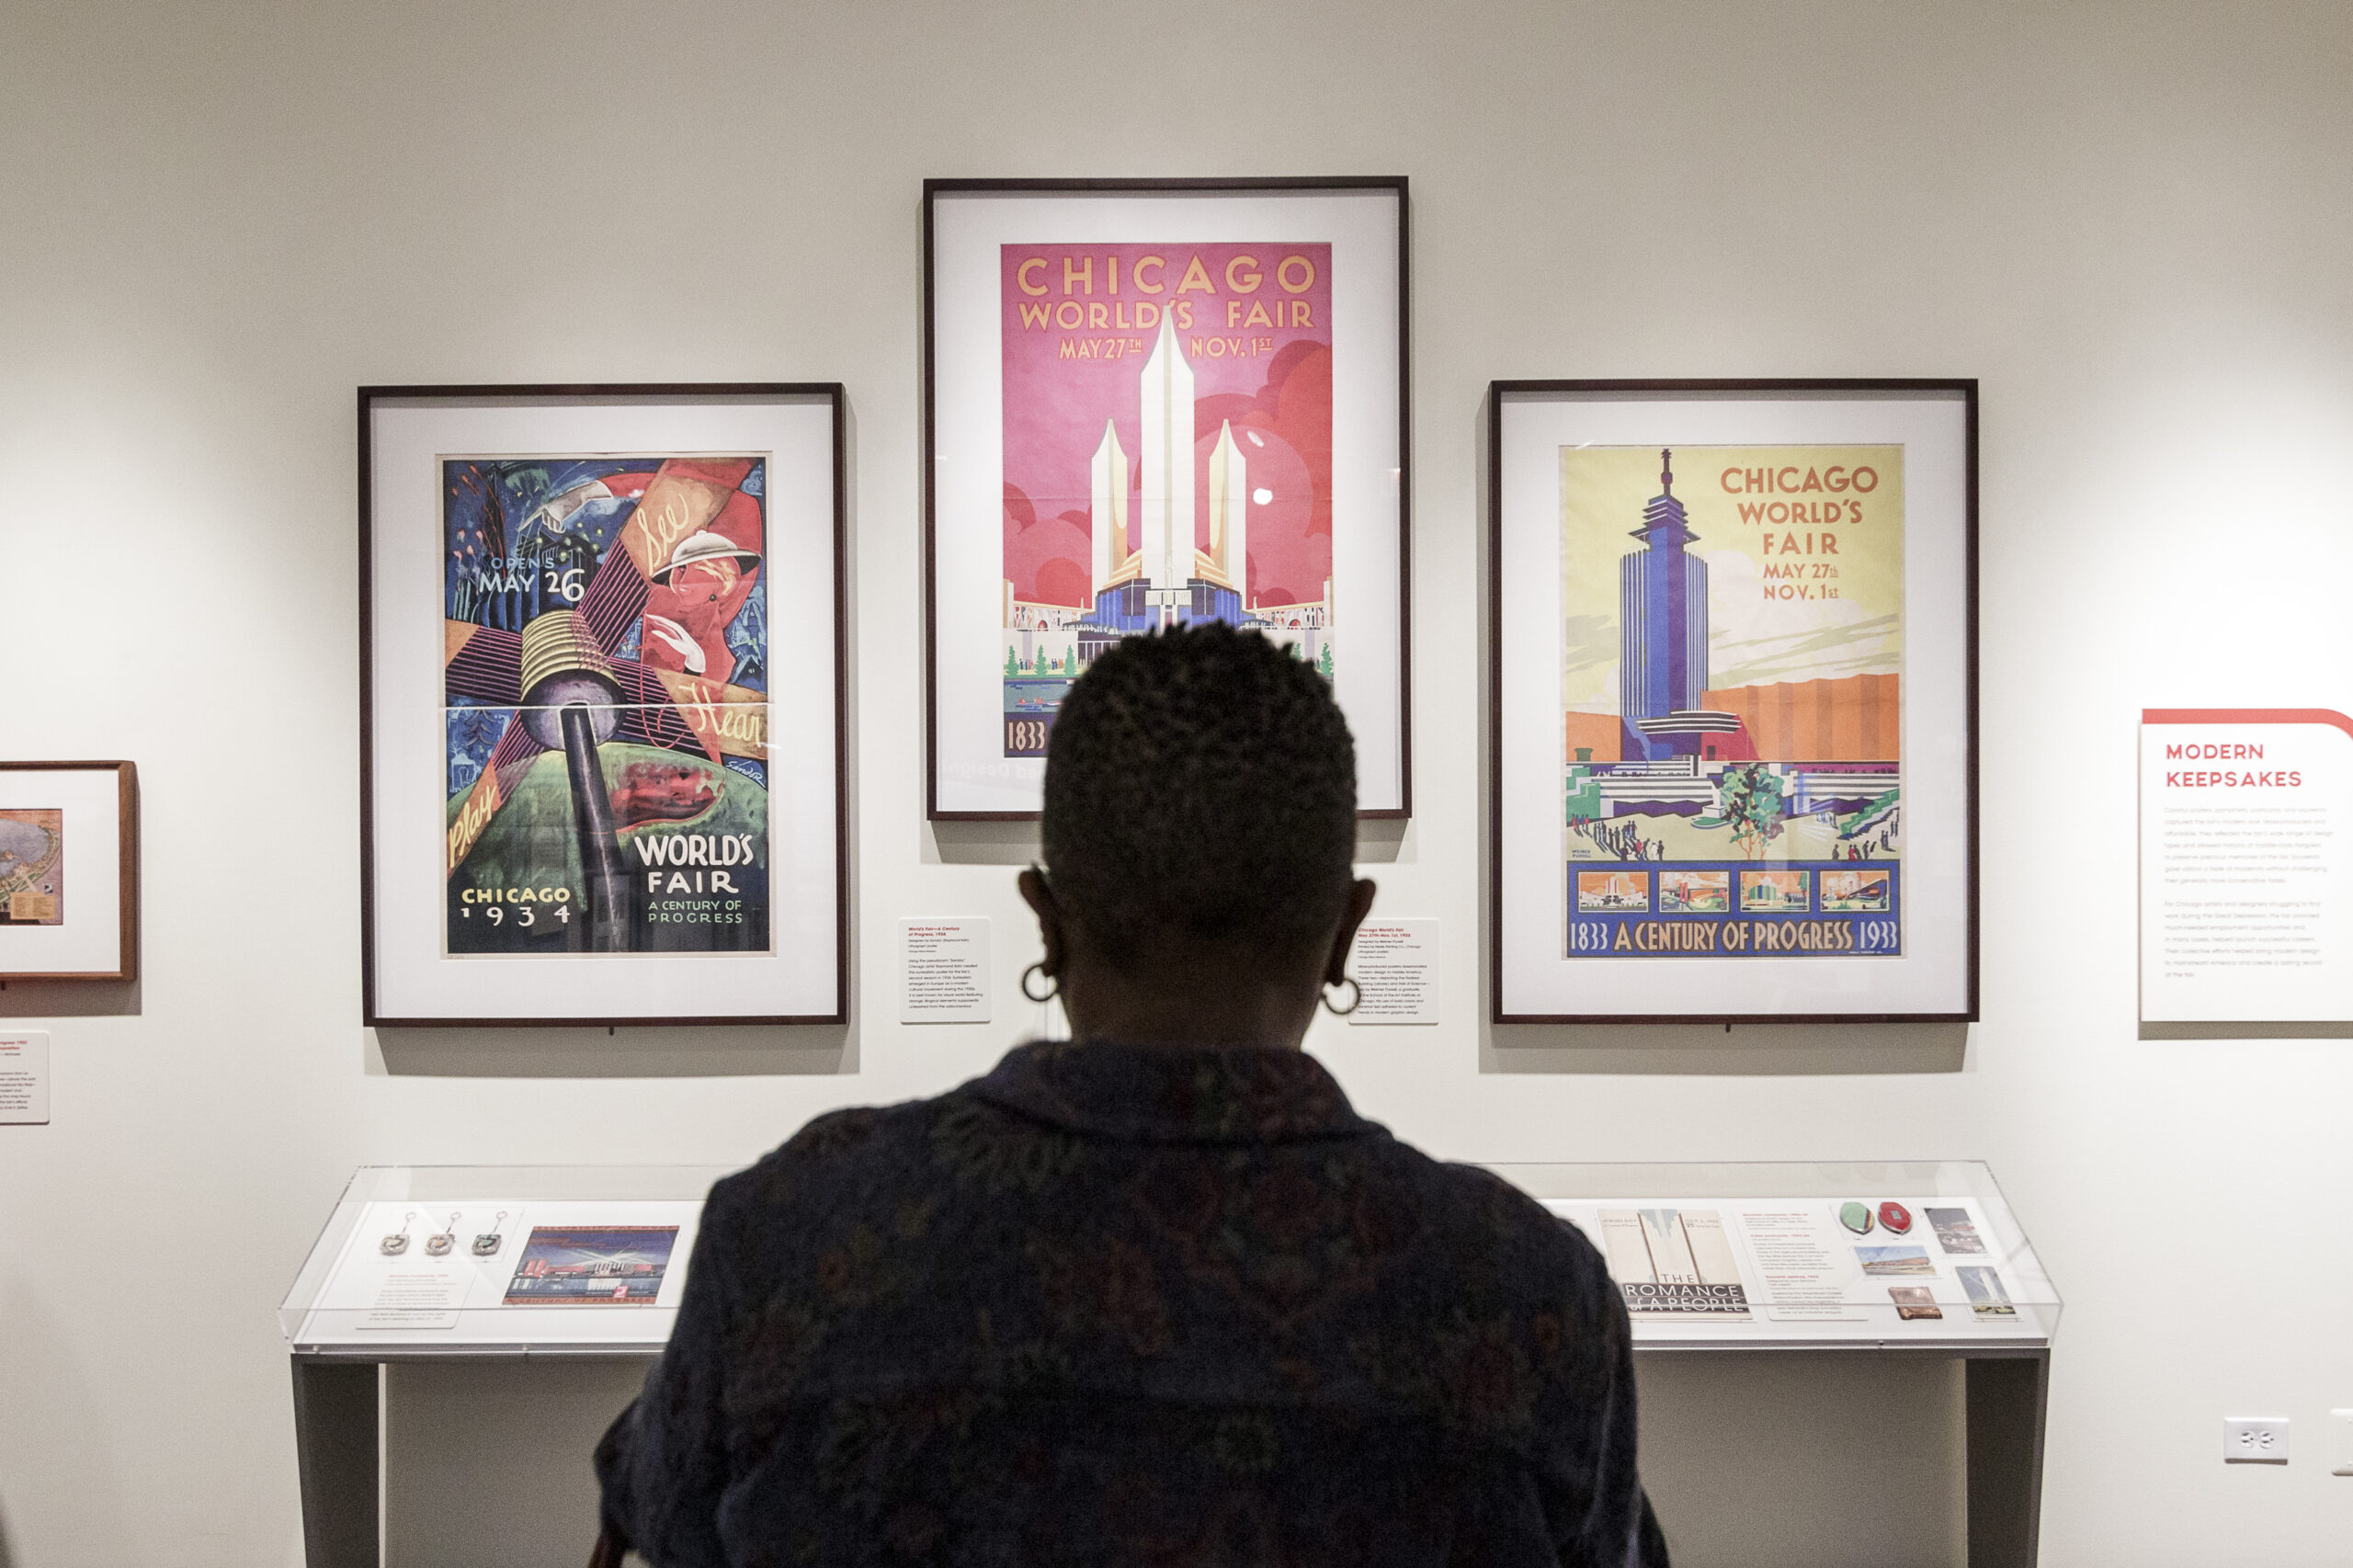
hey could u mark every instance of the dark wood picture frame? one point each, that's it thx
(834, 397)
(934, 189)
(1498, 392)
(125, 870)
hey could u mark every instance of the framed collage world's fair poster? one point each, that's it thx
(1150, 404)
(601, 704)
(1732, 668)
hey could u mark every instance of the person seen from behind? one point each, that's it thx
(1156, 1294)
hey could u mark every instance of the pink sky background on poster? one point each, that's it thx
(1277, 387)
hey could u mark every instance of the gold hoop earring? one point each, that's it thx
(1054, 986)
(1356, 997)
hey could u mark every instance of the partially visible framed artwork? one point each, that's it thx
(1151, 402)
(69, 870)
(602, 704)
(1733, 669)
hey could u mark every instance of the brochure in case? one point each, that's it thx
(1987, 1297)
(591, 1265)
(1955, 1233)
(1674, 1262)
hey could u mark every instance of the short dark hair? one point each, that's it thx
(1200, 784)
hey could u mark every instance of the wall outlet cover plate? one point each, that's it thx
(2254, 1440)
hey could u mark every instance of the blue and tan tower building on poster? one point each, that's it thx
(1663, 641)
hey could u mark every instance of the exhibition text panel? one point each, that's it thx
(2245, 865)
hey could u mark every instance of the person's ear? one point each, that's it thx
(1040, 900)
(1335, 967)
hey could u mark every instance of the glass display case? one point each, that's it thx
(499, 1259)
(447, 1263)
(1923, 1253)
(1910, 1258)
(584, 1266)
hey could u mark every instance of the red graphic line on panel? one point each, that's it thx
(2328, 716)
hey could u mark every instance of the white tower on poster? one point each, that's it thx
(1229, 549)
(1108, 509)
(1168, 488)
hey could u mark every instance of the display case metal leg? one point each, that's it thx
(335, 1449)
(2005, 1397)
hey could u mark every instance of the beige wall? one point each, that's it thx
(2132, 222)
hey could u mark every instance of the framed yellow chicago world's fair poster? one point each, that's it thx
(1150, 404)
(1732, 676)
(601, 704)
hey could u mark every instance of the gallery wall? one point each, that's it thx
(2128, 221)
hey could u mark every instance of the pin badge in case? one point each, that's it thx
(397, 1242)
(486, 1243)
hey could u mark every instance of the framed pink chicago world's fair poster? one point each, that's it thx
(1154, 404)
(1733, 670)
(601, 704)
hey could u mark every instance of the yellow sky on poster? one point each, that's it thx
(1804, 547)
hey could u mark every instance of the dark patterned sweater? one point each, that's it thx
(1130, 1305)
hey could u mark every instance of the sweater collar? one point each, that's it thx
(1174, 1094)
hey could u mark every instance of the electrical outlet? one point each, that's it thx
(2340, 1442)
(2254, 1440)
